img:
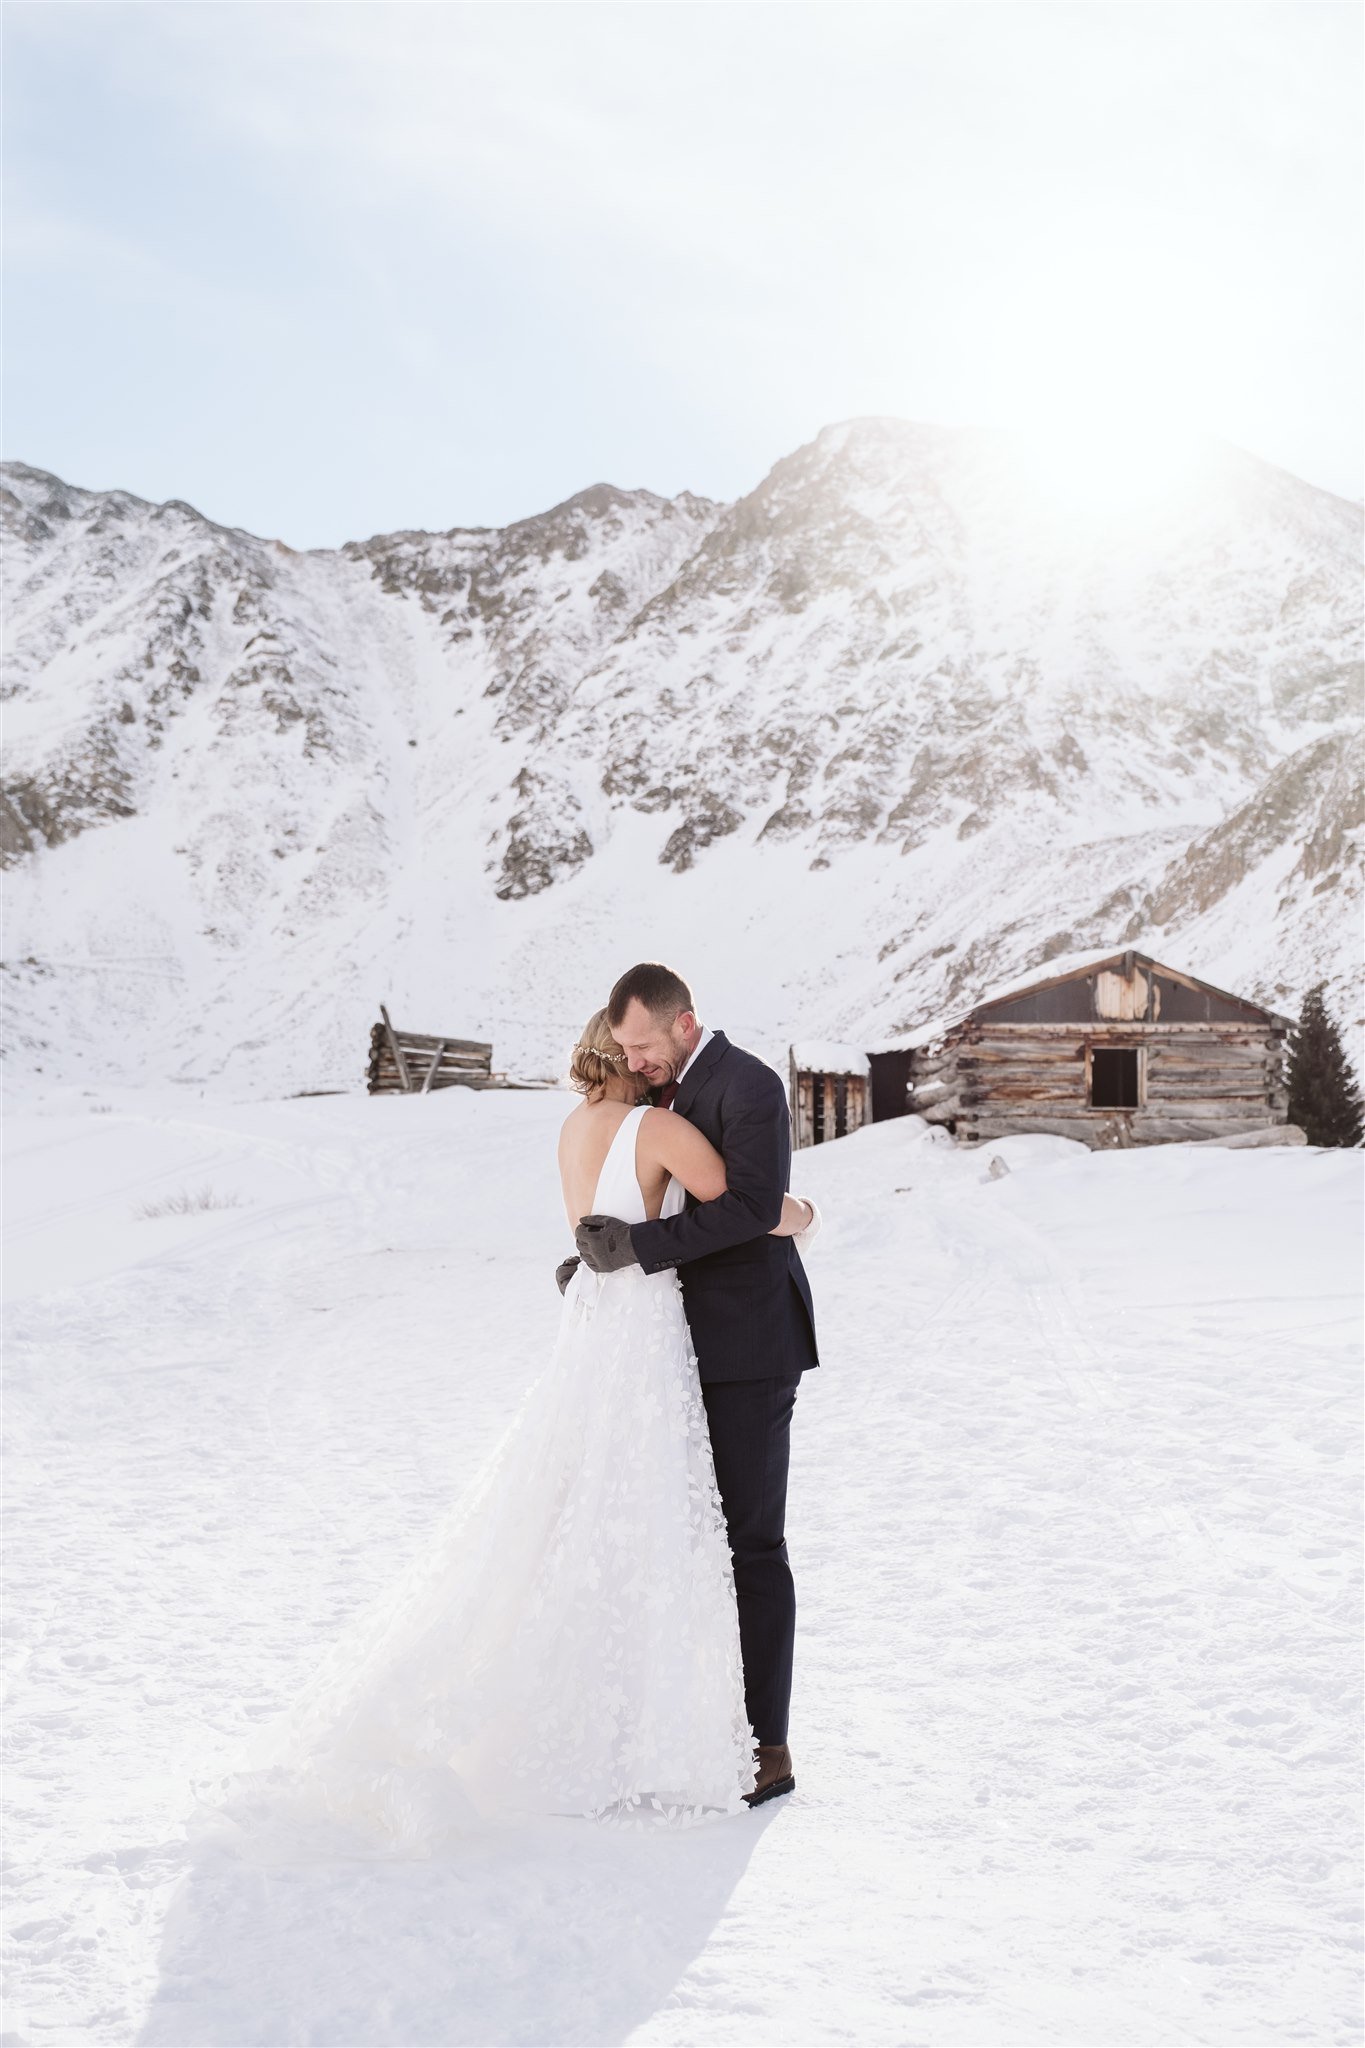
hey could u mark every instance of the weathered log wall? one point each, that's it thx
(987, 1079)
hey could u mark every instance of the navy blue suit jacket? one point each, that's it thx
(746, 1294)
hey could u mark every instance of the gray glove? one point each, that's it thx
(605, 1243)
(565, 1271)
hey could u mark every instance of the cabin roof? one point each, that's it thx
(925, 1034)
(823, 1056)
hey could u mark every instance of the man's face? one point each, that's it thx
(655, 1046)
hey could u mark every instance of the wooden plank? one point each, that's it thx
(448, 1062)
(1209, 1085)
(418, 1056)
(1243, 1110)
(424, 1052)
(1081, 1113)
(1210, 1049)
(425, 1041)
(397, 1050)
(1008, 1127)
(1026, 1060)
(1020, 1098)
(1068, 1081)
(1235, 1078)
(805, 1112)
(435, 1062)
(1191, 1028)
(1251, 1083)
(1049, 1072)
(1035, 1059)
(1208, 1091)
(1183, 1127)
(1053, 1080)
(1211, 1105)
(390, 1085)
(1124, 994)
(1021, 1081)
(1240, 1071)
(1037, 1055)
(389, 1079)
(1274, 1134)
(1022, 1059)
(1199, 1058)
(1145, 1128)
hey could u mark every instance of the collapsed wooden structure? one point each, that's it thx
(413, 1062)
(1121, 1051)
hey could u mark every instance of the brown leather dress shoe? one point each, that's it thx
(773, 1761)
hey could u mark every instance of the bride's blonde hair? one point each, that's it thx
(595, 1058)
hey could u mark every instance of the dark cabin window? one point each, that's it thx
(1114, 1077)
(841, 1106)
(817, 1120)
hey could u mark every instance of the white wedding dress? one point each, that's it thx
(568, 1643)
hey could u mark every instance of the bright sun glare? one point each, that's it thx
(1101, 374)
(1089, 464)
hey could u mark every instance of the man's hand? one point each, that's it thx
(565, 1271)
(604, 1242)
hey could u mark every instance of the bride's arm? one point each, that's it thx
(673, 1145)
(679, 1147)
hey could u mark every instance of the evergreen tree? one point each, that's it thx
(1324, 1099)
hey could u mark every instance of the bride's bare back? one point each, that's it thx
(587, 1136)
(666, 1146)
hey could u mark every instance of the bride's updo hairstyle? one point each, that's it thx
(596, 1057)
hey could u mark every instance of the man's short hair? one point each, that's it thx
(662, 992)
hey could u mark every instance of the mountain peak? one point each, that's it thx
(868, 740)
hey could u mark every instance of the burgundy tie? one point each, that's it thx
(666, 1095)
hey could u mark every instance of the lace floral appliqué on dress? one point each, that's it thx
(568, 1643)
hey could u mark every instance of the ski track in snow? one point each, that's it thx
(1073, 1517)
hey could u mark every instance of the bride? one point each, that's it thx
(568, 1643)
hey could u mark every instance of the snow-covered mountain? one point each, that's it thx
(892, 728)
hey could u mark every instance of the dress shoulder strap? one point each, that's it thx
(618, 1189)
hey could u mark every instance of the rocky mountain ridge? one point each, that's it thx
(893, 726)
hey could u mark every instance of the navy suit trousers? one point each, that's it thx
(750, 1424)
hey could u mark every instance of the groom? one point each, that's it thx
(748, 1305)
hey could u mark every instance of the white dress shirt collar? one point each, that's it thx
(707, 1034)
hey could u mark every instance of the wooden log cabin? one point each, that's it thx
(1121, 1051)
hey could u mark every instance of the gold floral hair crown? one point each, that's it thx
(615, 1058)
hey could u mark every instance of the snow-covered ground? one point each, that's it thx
(1074, 1516)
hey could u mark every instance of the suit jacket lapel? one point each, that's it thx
(698, 1070)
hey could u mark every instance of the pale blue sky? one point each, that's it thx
(329, 269)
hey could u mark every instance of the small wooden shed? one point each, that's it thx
(831, 1091)
(1120, 1051)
